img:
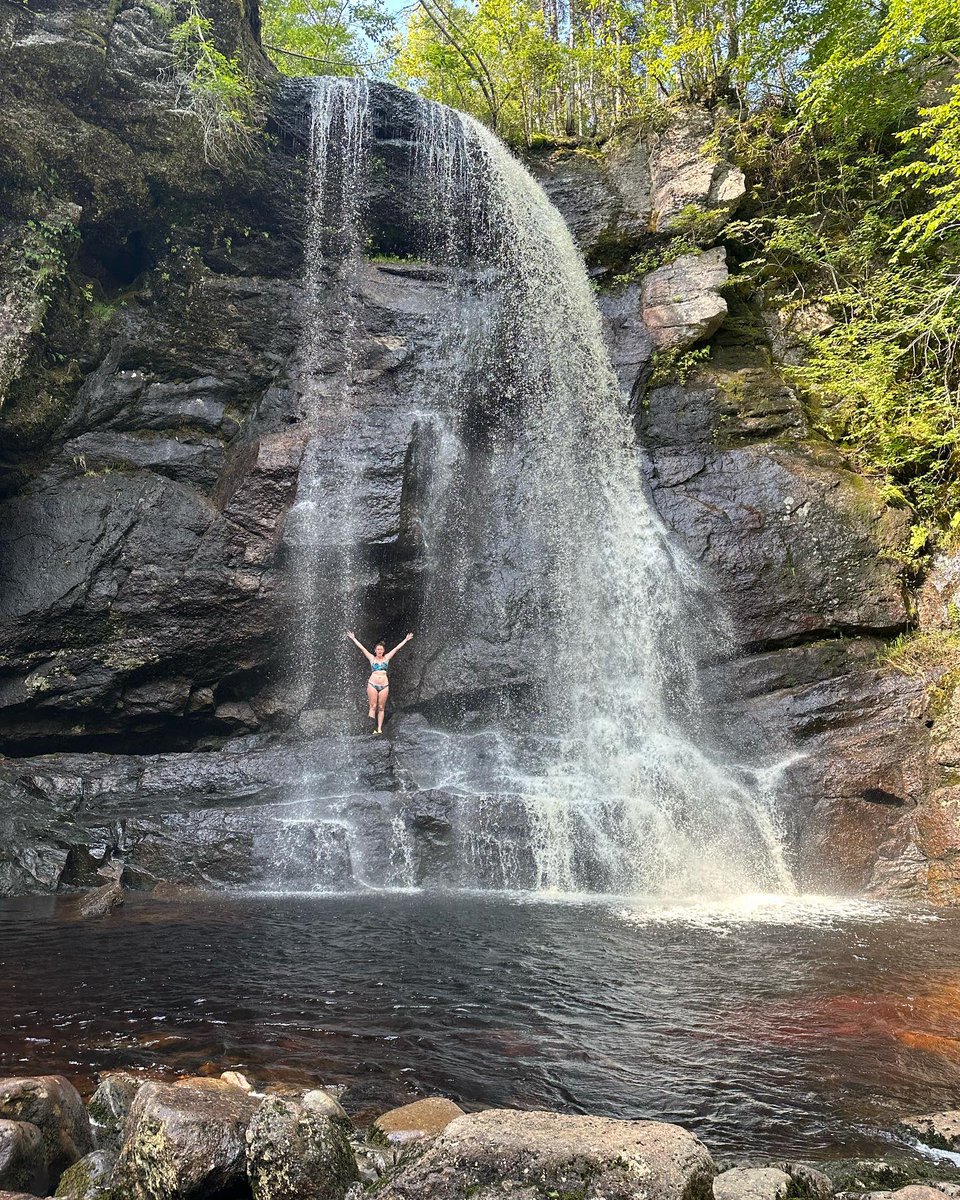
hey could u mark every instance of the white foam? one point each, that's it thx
(807, 909)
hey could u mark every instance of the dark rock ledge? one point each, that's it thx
(222, 1138)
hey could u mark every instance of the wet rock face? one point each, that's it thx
(148, 460)
(802, 554)
(538, 1153)
(88, 1179)
(109, 1105)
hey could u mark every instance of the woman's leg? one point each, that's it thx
(372, 699)
(381, 707)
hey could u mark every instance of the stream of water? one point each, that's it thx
(608, 767)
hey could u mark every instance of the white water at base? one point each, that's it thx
(610, 779)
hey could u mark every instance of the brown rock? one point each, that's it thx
(746, 1183)
(423, 1118)
(237, 1079)
(682, 302)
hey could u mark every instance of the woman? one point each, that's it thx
(378, 686)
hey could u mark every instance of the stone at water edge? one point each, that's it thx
(23, 1158)
(238, 1079)
(940, 1130)
(320, 1101)
(54, 1105)
(109, 1105)
(423, 1118)
(97, 903)
(88, 1179)
(807, 1183)
(596, 1158)
(375, 1160)
(295, 1152)
(752, 1183)
(210, 1083)
(181, 1142)
(913, 1191)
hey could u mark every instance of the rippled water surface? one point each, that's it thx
(803, 1027)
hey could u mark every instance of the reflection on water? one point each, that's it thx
(785, 1027)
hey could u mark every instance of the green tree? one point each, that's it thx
(325, 37)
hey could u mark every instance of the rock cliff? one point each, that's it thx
(150, 441)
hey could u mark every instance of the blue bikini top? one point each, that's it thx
(375, 665)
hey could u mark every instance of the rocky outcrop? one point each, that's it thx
(940, 1130)
(150, 294)
(647, 182)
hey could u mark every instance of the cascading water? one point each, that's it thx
(548, 581)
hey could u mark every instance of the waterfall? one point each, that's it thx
(549, 583)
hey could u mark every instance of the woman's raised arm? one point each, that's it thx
(363, 650)
(408, 638)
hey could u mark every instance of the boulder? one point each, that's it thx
(591, 1157)
(422, 1119)
(23, 1157)
(109, 1105)
(681, 300)
(88, 1179)
(374, 1161)
(807, 1183)
(325, 1103)
(295, 1152)
(54, 1106)
(756, 1183)
(941, 1130)
(183, 1142)
(236, 1078)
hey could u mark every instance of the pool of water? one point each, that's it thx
(777, 1027)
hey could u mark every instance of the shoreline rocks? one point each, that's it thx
(223, 1138)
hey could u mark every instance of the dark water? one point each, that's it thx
(806, 1035)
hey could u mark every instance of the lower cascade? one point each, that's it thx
(554, 735)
